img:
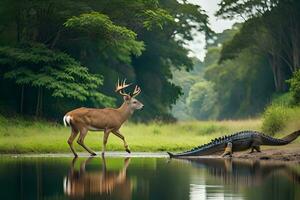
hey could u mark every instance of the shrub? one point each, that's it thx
(285, 99)
(295, 86)
(274, 119)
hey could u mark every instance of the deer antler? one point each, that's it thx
(121, 86)
(137, 91)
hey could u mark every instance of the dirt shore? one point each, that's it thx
(290, 153)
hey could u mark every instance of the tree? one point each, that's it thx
(243, 84)
(273, 26)
(35, 66)
(201, 100)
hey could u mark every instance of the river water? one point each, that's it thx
(148, 178)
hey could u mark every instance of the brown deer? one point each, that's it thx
(108, 119)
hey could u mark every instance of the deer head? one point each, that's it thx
(129, 98)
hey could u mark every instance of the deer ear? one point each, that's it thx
(126, 98)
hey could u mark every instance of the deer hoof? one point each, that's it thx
(93, 154)
(128, 151)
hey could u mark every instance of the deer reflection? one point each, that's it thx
(80, 183)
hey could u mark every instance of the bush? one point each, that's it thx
(295, 86)
(279, 117)
(285, 99)
(274, 119)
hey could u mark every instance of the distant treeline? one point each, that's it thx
(247, 66)
(59, 55)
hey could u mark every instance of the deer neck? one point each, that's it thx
(125, 111)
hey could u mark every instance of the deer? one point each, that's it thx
(108, 120)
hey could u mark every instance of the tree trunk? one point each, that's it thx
(278, 74)
(41, 103)
(19, 23)
(274, 70)
(55, 39)
(38, 110)
(295, 45)
(37, 104)
(22, 99)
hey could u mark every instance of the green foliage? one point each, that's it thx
(101, 30)
(281, 118)
(39, 67)
(201, 100)
(243, 84)
(186, 80)
(265, 29)
(139, 40)
(274, 119)
(156, 18)
(295, 86)
(246, 8)
(285, 99)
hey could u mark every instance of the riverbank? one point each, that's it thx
(18, 136)
(288, 153)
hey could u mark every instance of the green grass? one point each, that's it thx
(24, 136)
(18, 135)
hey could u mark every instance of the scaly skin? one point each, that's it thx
(237, 142)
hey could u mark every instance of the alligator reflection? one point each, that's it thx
(245, 172)
(82, 183)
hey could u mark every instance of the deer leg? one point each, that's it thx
(80, 141)
(73, 135)
(105, 138)
(83, 164)
(118, 134)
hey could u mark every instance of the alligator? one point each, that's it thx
(239, 141)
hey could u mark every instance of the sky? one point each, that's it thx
(217, 24)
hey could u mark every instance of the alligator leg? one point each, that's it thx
(257, 148)
(228, 150)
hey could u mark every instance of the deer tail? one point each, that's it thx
(67, 120)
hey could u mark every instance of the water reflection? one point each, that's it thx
(146, 179)
(243, 179)
(83, 183)
(245, 172)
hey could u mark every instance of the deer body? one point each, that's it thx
(82, 120)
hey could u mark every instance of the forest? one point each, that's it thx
(219, 122)
(247, 68)
(56, 56)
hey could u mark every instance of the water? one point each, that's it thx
(146, 179)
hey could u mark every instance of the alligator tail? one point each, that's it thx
(267, 140)
(170, 154)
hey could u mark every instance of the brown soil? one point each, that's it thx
(290, 153)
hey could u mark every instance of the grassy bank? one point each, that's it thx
(25, 136)
(22, 136)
